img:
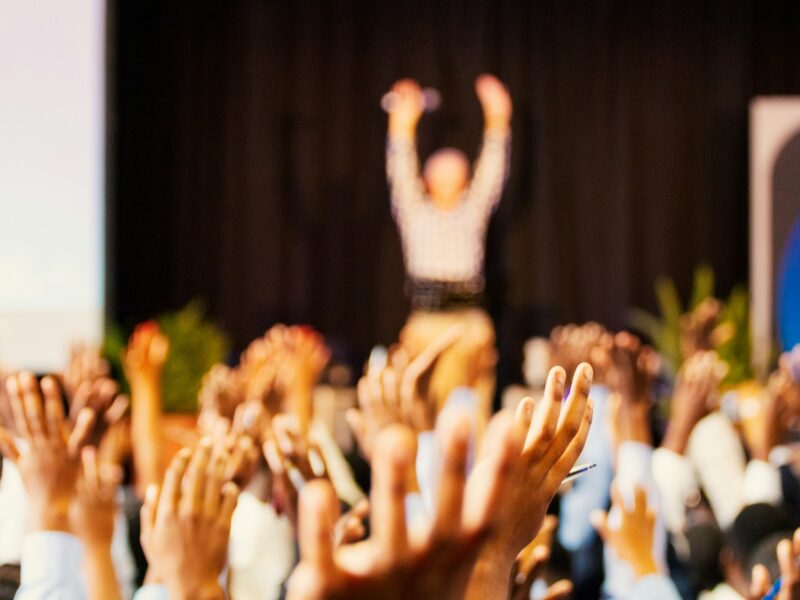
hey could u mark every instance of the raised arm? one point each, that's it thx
(491, 168)
(402, 162)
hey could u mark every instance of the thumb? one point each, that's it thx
(599, 520)
(759, 585)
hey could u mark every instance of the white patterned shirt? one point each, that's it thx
(445, 245)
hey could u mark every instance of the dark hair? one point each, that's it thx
(754, 524)
(9, 581)
(705, 541)
(766, 553)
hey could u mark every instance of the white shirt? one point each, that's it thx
(261, 551)
(51, 567)
(13, 514)
(445, 245)
(634, 460)
(714, 461)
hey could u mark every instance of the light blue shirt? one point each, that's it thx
(591, 491)
(51, 567)
(654, 587)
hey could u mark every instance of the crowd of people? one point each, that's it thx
(610, 476)
(698, 500)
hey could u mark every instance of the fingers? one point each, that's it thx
(193, 483)
(524, 412)
(318, 513)
(455, 430)
(7, 446)
(759, 582)
(394, 454)
(230, 494)
(488, 493)
(573, 419)
(274, 457)
(786, 561)
(81, 399)
(171, 488)
(91, 476)
(559, 590)
(117, 409)
(14, 391)
(214, 482)
(53, 409)
(243, 456)
(561, 468)
(32, 405)
(531, 560)
(79, 436)
(149, 508)
(599, 520)
(545, 420)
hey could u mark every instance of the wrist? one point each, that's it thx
(94, 543)
(496, 123)
(645, 566)
(145, 383)
(489, 579)
(676, 438)
(402, 129)
(50, 516)
(184, 590)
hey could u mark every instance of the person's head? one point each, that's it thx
(446, 174)
(705, 543)
(757, 529)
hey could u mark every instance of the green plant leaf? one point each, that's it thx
(703, 286)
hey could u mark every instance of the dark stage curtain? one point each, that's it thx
(248, 161)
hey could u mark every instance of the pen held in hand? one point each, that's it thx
(578, 471)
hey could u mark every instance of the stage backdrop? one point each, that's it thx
(249, 160)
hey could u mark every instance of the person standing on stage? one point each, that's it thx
(442, 215)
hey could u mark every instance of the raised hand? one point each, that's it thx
(555, 433)
(222, 391)
(699, 328)
(92, 519)
(186, 523)
(407, 107)
(102, 396)
(532, 561)
(143, 361)
(398, 392)
(85, 365)
(495, 100)
(633, 539)
(49, 463)
(573, 344)
(144, 357)
(293, 459)
(789, 562)
(390, 564)
(281, 369)
(694, 395)
(631, 369)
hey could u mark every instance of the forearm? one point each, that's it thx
(181, 590)
(401, 127)
(145, 429)
(98, 570)
(490, 578)
(491, 170)
(676, 437)
(49, 515)
(499, 124)
(402, 170)
(300, 402)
